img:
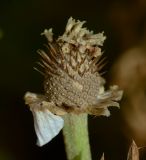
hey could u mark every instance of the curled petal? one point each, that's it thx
(105, 100)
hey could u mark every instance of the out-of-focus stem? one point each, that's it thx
(76, 137)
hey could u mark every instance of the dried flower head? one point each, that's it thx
(71, 66)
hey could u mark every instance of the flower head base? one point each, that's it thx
(71, 68)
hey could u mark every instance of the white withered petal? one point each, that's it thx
(46, 124)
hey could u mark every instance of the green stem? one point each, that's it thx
(76, 137)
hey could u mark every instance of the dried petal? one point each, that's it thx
(48, 34)
(133, 153)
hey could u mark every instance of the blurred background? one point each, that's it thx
(124, 24)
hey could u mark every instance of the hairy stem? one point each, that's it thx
(76, 137)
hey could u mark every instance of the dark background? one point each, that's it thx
(21, 22)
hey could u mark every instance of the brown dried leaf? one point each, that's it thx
(102, 158)
(133, 153)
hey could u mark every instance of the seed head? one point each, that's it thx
(71, 68)
(72, 81)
